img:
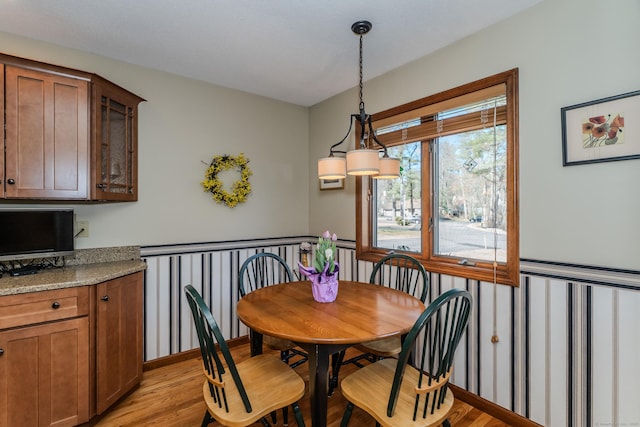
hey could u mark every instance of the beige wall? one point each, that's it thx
(183, 123)
(568, 52)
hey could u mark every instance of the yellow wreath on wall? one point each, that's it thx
(240, 189)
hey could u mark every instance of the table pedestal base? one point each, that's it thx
(319, 355)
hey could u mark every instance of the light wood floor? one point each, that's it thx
(172, 396)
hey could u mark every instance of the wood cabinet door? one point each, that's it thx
(2, 180)
(47, 135)
(44, 374)
(114, 152)
(118, 338)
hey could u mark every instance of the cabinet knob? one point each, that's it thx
(55, 305)
(11, 181)
(105, 298)
(1, 351)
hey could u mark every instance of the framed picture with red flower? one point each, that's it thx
(603, 130)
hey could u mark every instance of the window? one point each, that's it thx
(455, 205)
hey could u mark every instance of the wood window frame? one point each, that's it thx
(505, 273)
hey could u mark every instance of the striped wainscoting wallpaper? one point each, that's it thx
(569, 336)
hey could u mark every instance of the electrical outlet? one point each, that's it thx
(82, 229)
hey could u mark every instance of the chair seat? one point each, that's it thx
(359, 388)
(277, 343)
(387, 347)
(281, 387)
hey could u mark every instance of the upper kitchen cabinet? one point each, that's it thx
(47, 135)
(69, 134)
(2, 127)
(114, 152)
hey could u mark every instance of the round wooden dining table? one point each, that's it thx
(361, 312)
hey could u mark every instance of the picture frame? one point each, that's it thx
(331, 184)
(603, 130)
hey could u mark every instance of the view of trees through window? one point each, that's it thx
(471, 195)
(399, 210)
(467, 174)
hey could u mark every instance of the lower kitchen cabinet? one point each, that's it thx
(44, 374)
(67, 355)
(118, 338)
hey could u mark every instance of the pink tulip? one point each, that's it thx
(334, 237)
(326, 234)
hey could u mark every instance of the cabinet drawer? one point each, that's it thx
(38, 307)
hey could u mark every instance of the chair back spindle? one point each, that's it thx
(262, 269)
(402, 272)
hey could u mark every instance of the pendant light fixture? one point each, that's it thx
(363, 160)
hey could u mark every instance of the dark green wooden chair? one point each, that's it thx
(243, 393)
(397, 271)
(414, 393)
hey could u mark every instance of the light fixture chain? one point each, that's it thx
(361, 101)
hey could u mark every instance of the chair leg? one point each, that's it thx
(206, 420)
(274, 417)
(298, 414)
(336, 362)
(446, 423)
(303, 358)
(285, 416)
(369, 357)
(347, 415)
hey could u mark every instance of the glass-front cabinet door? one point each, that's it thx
(115, 142)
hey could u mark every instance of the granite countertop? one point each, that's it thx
(104, 266)
(68, 277)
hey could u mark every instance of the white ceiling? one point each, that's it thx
(299, 51)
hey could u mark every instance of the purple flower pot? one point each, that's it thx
(324, 286)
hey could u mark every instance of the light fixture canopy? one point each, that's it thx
(363, 160)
